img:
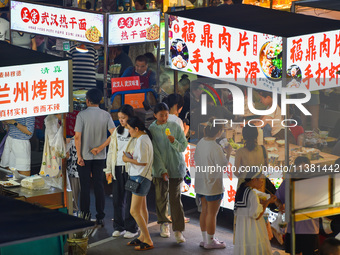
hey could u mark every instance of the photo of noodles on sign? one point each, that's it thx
(152, 32)
(93, 34)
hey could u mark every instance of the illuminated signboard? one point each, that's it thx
(33, 90)
(134, 27)
(216, 51)
(57, 22)
(313, 60)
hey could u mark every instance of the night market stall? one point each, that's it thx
(259, 51)
(33, 84)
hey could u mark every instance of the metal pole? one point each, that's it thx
(175, 81)
(284, 83)
(64, 162)
(292, 216)
(158, 66)
(105, 62)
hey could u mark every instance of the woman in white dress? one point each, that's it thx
(251, 236)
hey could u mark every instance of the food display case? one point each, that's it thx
(26, 67)
(273, 4)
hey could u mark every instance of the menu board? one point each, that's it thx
(226, 53)
(313, 61)
(57, 22)
(34, 90)
(134, 27)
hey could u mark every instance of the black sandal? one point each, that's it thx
(135, 242)
(144, 247)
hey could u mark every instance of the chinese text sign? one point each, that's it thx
(135, 27)
(57, 22)
(34, 90)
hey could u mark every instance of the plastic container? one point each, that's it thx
(77, 246)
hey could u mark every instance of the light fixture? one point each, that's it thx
(82, 48)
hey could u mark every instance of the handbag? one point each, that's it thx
(132, 186)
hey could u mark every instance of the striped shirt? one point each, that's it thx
(84, 66)
(15, 133)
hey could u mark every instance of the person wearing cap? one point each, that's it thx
(250, 233)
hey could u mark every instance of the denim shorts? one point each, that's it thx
(211, 198)
(144, 187)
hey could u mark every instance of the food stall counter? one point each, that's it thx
(51, 198)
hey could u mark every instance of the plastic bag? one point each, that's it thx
(59, 143)
(279, 227)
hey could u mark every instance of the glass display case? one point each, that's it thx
(273, 4)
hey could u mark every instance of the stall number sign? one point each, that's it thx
(313, 60)
(135, 100)
(57, 22)
(34, 90)
(221, 52)
(125, 83)
(135, 27)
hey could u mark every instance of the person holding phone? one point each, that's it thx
(123, 222)
(140, 169)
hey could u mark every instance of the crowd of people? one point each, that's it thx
(141, 155)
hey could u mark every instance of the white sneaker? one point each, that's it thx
(179, 237)
(129, 235)
(202, 244)
(165, 230)
(117, 233)
(215, 245)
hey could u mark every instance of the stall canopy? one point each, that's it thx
(255, 47)
(13, 55)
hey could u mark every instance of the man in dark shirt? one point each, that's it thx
(118, 56)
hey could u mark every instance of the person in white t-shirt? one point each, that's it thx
(140, 170)
(209, 183)
(123, 223)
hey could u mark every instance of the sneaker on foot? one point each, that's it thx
(179, 237)
(165, 230)
(129, 234)
(117, 233)
(215, 245)
(202, 244)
